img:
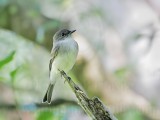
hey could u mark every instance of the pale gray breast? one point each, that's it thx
(67, 54)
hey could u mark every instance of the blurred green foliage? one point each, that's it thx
(58, 113)
(44, 115)
(6, 60)
(21, 16)
(132, 114)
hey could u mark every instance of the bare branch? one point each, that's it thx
(93, 107)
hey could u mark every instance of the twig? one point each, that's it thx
(93, 107)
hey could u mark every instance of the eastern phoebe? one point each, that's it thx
(63, 57)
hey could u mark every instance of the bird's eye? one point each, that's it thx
(63, 34)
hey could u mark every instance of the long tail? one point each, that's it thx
(48, 96)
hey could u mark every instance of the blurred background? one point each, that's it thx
(118, 60)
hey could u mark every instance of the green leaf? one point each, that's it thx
(14, 73)
(6, 60)
(45, 115)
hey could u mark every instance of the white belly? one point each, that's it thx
(66, 56)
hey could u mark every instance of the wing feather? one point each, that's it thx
(54, 53)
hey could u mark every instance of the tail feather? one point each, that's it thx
(48, 96)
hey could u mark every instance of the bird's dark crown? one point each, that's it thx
(61, 34)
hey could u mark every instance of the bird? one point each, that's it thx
(63, 57)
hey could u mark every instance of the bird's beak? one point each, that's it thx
(72, 31)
